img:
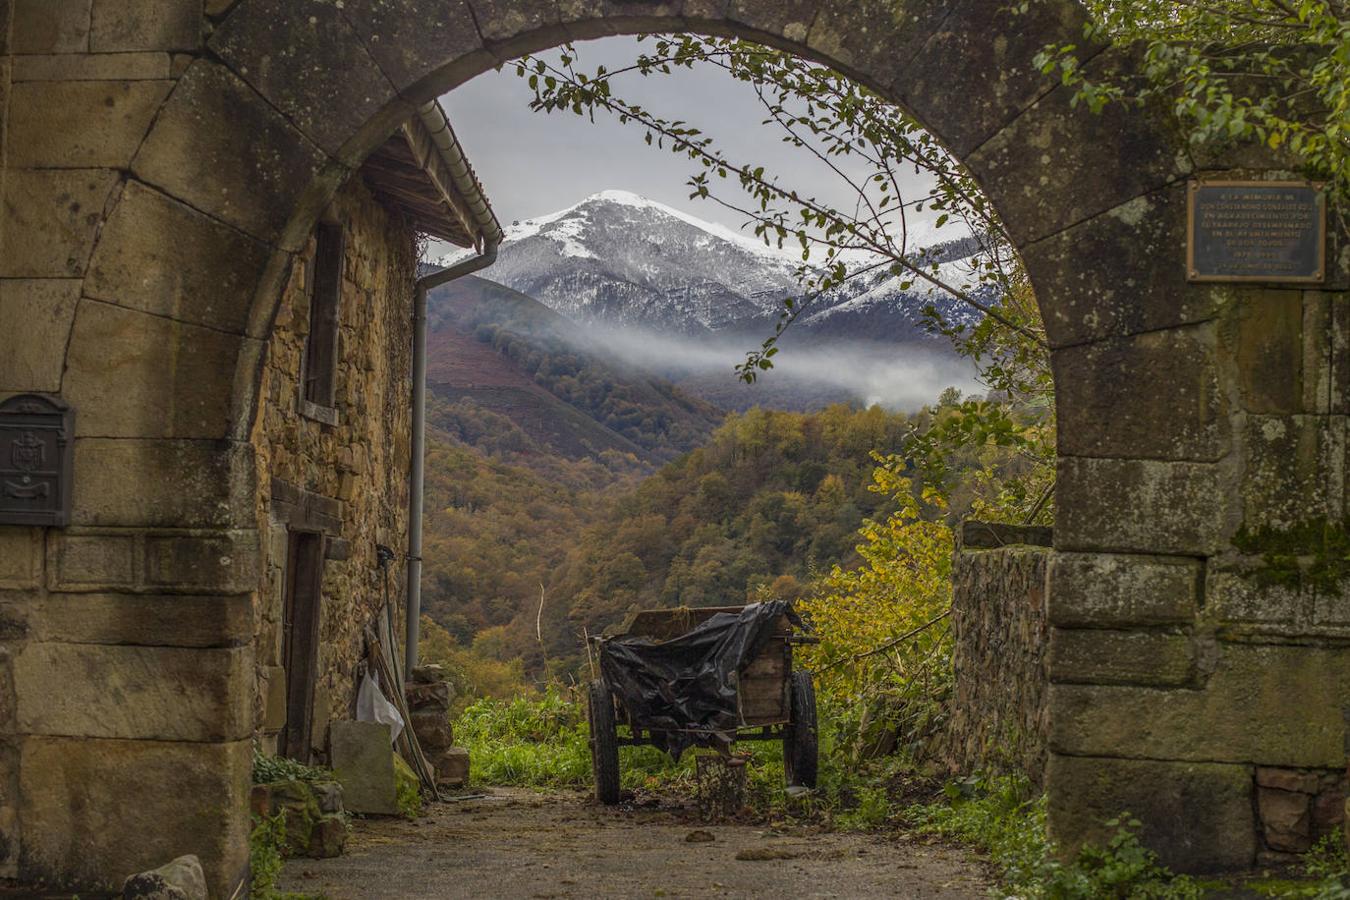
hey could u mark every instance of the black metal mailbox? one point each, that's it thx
(36, 461)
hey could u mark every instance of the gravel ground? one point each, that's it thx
(521, 844)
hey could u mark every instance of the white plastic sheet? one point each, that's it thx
(373, 706)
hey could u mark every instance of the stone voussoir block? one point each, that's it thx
(144, 376)
(163, 257)
(977, 45)
(506, 25)
(1197, 816)
(1111, 590)
(1124, 291)
(877, 39)
(778, 20)
(1046, 170)
(412, 40)
(288, 54)
(1241, 714)
(1092, 656)
(585, 19)
(219, 147)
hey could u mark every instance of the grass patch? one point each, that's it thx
(542, 741)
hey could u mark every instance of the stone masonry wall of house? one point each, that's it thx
(999, 715)
(349, 480)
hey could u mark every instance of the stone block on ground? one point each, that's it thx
(363, 761)
(452, 767)
(181, 879)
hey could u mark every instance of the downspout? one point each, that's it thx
(485, 223)
(419, 435)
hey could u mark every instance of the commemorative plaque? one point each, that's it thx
(1273, 231)
(36, 461)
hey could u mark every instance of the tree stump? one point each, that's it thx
(721, 786)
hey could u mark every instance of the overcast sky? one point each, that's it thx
(536, 163)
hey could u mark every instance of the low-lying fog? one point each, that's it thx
(902, 377)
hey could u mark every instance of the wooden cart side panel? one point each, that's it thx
(763, 686)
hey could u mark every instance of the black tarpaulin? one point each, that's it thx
(684, 689)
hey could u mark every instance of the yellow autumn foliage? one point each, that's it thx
(883, 661)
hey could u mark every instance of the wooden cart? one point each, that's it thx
(775, 702)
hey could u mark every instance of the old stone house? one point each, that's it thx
(332, 433)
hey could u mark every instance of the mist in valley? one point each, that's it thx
(900, 377)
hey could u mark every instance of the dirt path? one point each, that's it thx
(519, 844)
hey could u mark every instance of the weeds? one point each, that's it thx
(268, 769)
(1002, 817)
(1328, 865)
(266, 855)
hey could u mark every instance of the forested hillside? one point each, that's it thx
(771, 500)
(510, 355)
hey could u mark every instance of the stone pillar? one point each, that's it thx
(125, 638)
(1199, 602)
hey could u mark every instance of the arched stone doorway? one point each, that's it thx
(142, 252)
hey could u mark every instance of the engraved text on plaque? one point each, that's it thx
(1257, 231)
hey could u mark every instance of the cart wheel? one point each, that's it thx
(604, 744)
(800, 750)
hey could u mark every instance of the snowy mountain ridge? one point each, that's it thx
(620, 259)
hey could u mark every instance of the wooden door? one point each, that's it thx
(304, 590)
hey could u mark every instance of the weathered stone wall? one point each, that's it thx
(349, 480)
(998, 720)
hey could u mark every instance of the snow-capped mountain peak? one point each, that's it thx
(618, 258)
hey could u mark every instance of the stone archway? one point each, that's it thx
(160, 170)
